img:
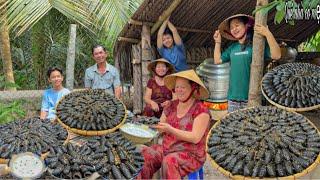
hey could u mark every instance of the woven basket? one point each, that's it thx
(238, 177)
(287, 108)
(93, 133)
(137, 139)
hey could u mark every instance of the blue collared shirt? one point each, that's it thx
(108, 80)
(50, 99)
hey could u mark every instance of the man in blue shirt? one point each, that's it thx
(170, 46)
(102, 75)
(53, 95)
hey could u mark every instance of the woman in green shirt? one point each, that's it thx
(240, 28)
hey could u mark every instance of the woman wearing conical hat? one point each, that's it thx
(239, 28)
(184, 124)
(157, 95)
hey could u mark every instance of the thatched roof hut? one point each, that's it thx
(195, 21)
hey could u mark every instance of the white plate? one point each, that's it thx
(26, 165)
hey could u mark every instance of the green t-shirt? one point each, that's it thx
(240, 69)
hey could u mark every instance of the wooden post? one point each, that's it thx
(137, 82)
(146, 54)
(6, 51)
(258, 46)
(71, 56)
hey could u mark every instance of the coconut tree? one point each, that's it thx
(103, 18)
(5, 51)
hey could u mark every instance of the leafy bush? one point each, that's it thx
(4, 84)
(11, 111)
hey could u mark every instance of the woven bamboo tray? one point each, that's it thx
(95, 133)
(92, 133)
(240, 177)
(287, 108)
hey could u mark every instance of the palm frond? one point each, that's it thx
(76, 10)
(23, 14)
(111, 15)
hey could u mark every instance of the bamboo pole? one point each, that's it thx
(71, 56)
(130, 40)
(137, 82)
(165, 15)
(140, 23)
(258, 46)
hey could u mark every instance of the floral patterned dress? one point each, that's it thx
(175, 157)
(159, 94)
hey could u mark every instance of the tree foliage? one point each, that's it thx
(11, 111)
(40, 31)
(312, 44)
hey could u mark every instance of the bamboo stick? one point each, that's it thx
(140, 23)
(130, 40)
(165, 15)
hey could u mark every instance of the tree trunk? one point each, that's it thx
(137, 83)
(258, 46)
(6, 55)
(71, 57)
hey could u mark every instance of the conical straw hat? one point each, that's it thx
(153, 64)
(170, 81)
(225, 29)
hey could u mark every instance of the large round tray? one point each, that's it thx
(297, 109)
(284, 107)
(93, 132)
(238, 177)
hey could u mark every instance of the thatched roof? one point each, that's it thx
(205, 15)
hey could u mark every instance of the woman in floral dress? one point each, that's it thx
(184, 124)
(157, 95)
